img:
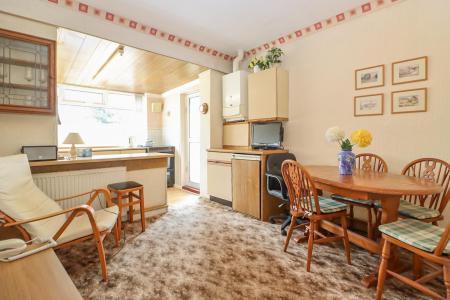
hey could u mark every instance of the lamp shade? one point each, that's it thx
(73, 138)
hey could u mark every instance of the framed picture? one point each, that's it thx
(410, 70)
(369, 105)
(369, 77)
(409, 101)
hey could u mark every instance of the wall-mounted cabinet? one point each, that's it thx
(27, 73)
(234, 87)
(268, 95)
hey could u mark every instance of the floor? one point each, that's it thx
(203, 250)
(175, 195)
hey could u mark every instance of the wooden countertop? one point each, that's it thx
(38, 276)
(101, 159)
(247, 150)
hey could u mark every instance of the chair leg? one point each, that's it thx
(289, 234)
(119, 217)
(417, 266)
(130, 208)
(101, 256)
(447, 280)
(369, 223)
(351, 215)
(116, 234)
(383, 268)
(312, 229)
(345, 239)
(141, 206)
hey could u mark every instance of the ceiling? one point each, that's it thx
(227, 25)
(80, 56)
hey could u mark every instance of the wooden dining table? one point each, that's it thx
(388, 188)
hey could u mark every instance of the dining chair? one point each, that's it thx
(306, 204)
(371, 163)
(428, 208)
(24, 206)
(422, 239)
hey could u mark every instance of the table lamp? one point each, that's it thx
(73, 138)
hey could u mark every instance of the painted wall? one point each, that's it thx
(154, 119)
(17, 130)
(321, 69)
(52, 14)
(211, 123)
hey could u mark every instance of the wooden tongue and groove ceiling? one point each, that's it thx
(80, 56)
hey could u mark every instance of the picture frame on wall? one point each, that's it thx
(369, 77)
(410, 70)
(368, 105)
(409, 101)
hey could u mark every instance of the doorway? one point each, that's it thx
(193, 142)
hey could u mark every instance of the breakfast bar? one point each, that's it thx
(66, 177)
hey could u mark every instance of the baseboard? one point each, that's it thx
(191, 189)
(220, 201)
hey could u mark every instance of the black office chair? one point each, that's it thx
(277, 188)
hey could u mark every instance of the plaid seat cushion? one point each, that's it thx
(351, 200)
(328, 206)
(413, 211)
(416, 233)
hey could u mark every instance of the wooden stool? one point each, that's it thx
(125, 190)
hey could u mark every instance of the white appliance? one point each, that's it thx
(234, 89)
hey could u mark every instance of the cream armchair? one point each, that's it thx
(24, 206)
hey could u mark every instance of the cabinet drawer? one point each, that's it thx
(220, 156)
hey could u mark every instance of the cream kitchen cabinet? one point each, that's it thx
(236, 134)
(219, 177)
(268, 95)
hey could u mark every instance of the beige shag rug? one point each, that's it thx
(203, 250)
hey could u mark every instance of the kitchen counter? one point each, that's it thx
(67, 177)
(100, 159)
(247, 150)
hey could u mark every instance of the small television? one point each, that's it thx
(267, 135)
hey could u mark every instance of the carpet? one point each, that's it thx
(203, 250)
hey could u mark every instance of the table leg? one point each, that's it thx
(389, 214)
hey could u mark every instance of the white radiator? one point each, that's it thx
(64, 184)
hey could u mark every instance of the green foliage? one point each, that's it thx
(346, 145)
(272, 57)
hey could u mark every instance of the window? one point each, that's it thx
(102, 118)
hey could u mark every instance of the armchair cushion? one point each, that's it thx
(21, 199)
(416, 233)
(80, 226)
